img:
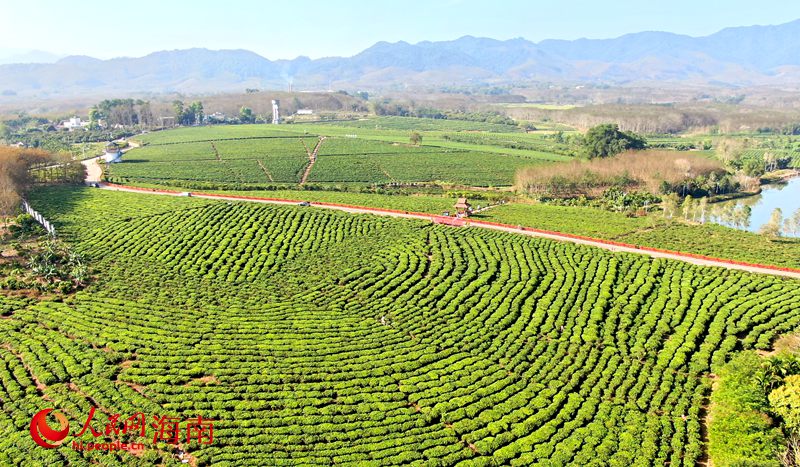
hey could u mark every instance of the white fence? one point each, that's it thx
(39, 218)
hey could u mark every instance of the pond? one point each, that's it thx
(785, 196)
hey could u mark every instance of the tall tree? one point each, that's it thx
(687, 207)
(246, 115)
(145, 114)
(196, 109)
(178, 108)
(669, 203)
(773, 227)
(792, 223)
(16, 176)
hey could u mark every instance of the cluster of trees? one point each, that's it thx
(246, 115)
(389, 107)
(21, 168)
(607, 140)
(778, 226)
(738, 216)
(619, 200)
(41, 133)
(672, 119)
(697, 210)
(487, 117)
(194, 113)
(122, 112)
(656, 172)
(755, 157)
(188, 115)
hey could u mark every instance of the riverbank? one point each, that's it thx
(779, 176)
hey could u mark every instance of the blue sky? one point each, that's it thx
(315, 28)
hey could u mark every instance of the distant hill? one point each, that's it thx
(742, 56)
(8, 56)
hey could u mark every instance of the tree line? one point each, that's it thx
(21, 168)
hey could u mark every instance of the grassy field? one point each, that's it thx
(315, 337)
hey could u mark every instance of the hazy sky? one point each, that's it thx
(285, 29)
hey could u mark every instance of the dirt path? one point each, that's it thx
(606, 245)
(266, 172)
(312, 159)
(94, 172)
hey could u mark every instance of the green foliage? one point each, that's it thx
(620, 200)
(555, 144)
(25, 225)
(785, 401)
(252, 156)
(246, 115)
(39, 262)
(706, 239)
(607, 140)
(318, 337)
(740, 432)
(188, 115)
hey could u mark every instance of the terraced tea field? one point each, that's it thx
(315, 337)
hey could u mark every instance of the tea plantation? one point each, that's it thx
(318, 338)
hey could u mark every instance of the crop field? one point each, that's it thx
(315, 337)
(653, 231)
(425, 124)
(188, 134)
(462, 167)
(524, 141)
(236, 156)
(358, 146)
(227, 161)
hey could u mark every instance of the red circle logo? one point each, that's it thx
(40, 428)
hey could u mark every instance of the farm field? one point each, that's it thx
(653, 231)
(258, 155)
(316, 337)
(447, 166)
(211, 133)
(425, 124)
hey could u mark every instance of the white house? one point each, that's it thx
(305, 112)
(74, 123)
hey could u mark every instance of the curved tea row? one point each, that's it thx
(316, 337)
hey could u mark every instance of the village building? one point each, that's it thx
(74, 123)
(112, 154)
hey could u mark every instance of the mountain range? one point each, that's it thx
(741, 56)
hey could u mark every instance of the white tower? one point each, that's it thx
(276, 116)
